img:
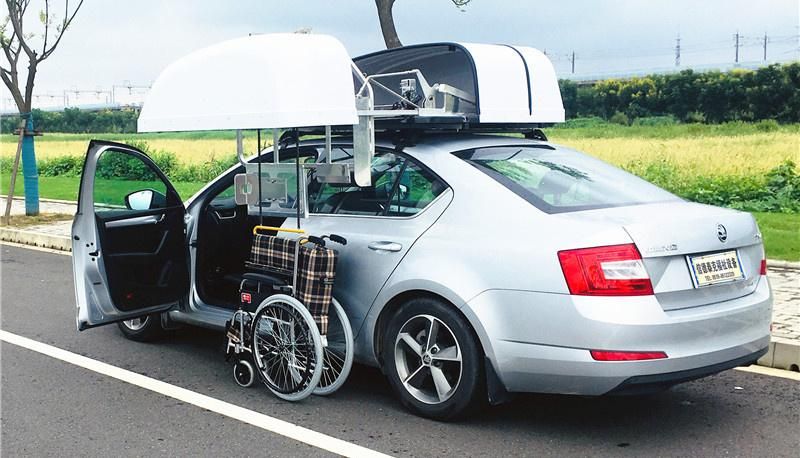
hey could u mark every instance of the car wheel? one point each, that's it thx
(143, 329)
(433, 360)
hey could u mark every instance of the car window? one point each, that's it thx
(400, 187)
(561, 180)
(125, 182)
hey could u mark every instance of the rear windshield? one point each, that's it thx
(557, 180)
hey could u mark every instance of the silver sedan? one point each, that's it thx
(477, 266)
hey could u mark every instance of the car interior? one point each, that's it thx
(224, 234)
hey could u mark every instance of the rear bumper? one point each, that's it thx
(643, 384)
(540, 342)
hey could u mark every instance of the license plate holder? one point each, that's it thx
(709, 269)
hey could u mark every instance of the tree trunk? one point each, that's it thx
(387, 23)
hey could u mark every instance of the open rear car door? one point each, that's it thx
(129, 252)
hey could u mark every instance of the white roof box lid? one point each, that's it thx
(259, 81)
(509, 84)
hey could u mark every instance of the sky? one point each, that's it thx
(116, 43)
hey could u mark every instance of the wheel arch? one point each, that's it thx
(396, 302)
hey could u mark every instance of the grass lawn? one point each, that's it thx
(66, 188)
(781, 233)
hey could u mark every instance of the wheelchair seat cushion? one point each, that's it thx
(263, 278)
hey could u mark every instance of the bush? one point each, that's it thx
(777, 191)
(592, 121)
(695, 117)
(61, 166)
(620, 118)
(668, 120)
(768, 93)
(767, 125)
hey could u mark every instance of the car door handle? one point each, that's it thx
(385, 246)
(141, 220)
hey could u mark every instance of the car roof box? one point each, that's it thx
(260, 81)
(494, 84)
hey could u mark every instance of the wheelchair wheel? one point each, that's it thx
(287, 347)
(337, 356)
(243, 373)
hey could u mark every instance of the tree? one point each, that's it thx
(387, 21)
(36, 47)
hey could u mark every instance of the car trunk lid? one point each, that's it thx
(667, 234)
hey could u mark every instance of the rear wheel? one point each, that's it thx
(287, 347)
(142, 329)
(433, 360)
(337, 359)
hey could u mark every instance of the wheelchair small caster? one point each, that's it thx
(243, 373)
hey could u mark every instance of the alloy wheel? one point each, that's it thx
(427, 356)
(136, 324)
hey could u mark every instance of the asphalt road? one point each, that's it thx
(50, 407)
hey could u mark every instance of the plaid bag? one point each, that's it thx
(315, 277)
(316, 271)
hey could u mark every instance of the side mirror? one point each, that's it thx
(140, 200)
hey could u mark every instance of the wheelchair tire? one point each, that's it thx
(287, 347)
(243, 373)
(337, 359)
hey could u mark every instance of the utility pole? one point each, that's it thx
(737, 46)
(765, 46)
(678, 51)
(573, 62)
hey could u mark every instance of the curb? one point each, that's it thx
(39, 239)
(782, 354)
(783, 264)
(41, 199)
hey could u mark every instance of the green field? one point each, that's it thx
(727, 149)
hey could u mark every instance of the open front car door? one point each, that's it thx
(129, 253)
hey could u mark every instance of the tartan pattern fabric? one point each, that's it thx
(316, 271)
(315, 277)
(275, 254)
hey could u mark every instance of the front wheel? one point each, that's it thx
(433, 360)
(142, 329)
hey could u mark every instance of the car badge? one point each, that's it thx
(722, 233)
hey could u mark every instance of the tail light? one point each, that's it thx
(615, 270)
(763, 267)
(602, 355)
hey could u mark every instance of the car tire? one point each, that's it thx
(143, 329)
(442, 379)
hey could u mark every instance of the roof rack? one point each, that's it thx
(293, 81)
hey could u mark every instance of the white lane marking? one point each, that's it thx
(259, 420)
(35, 248)
(771, 371)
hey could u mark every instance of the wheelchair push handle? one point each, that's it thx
(320, 241)
(337, 239)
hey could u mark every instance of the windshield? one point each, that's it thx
(559, 180)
